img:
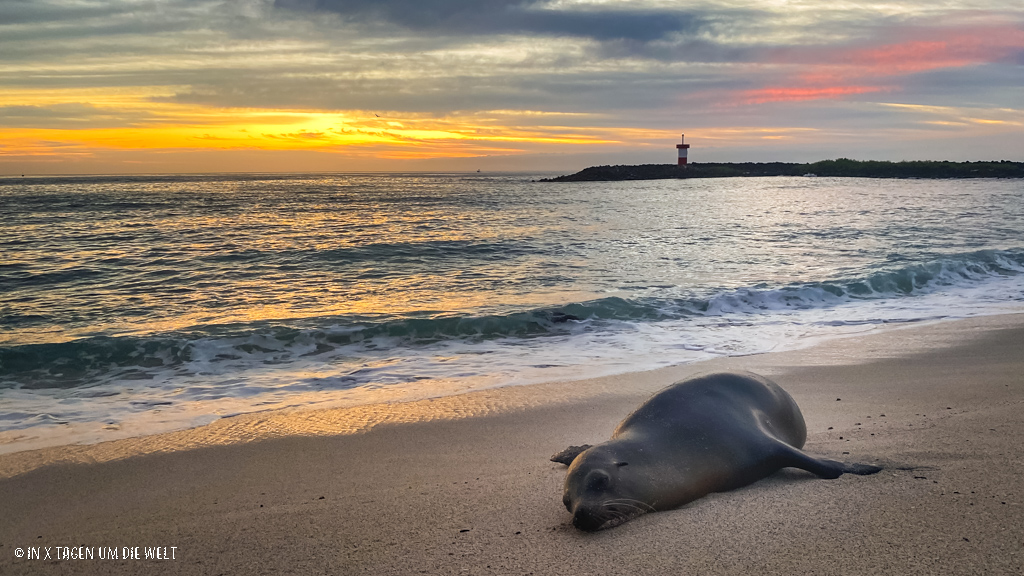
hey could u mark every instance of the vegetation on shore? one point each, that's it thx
(839, 167)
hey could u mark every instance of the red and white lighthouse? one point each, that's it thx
(682, 151)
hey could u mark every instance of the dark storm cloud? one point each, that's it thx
(478, 17)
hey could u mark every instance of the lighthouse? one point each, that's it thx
(682, 151)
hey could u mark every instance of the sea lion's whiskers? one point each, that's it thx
(615, 520)
(630, 503)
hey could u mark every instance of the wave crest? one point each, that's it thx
(215, 349)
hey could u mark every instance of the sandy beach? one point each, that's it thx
(463, 485)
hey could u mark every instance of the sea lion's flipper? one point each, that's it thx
(859, 469)
(821, 467)
(569, 454)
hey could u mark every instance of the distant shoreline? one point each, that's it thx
(840, 167)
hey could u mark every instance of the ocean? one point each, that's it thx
(132, 305)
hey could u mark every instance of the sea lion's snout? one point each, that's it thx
(599, 516)
(595, 507)
(597, 494)
(589, 519)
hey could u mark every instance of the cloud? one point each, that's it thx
(182, 71)
(17, 12)
(73, 115)
(483, 17)
(801, 93)
(870, 67)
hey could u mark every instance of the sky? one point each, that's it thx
(166, 86)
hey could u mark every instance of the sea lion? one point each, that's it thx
(706, 434)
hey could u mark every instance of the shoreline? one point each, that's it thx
(347, 419)
(462, 484)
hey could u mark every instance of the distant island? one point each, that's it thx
(840, 167)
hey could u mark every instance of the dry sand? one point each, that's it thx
(462, 485)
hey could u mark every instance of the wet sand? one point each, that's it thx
(463, 485)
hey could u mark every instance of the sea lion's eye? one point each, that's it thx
(598, 480)
(621, 464)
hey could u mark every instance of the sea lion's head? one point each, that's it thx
(600, 491)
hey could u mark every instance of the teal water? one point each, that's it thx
(152, 303)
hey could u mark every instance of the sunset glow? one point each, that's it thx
(545, 86)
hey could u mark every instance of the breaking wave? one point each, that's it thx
(344, 342)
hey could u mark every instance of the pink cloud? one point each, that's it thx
(797, 93)
(952, 50)
(836, 73)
